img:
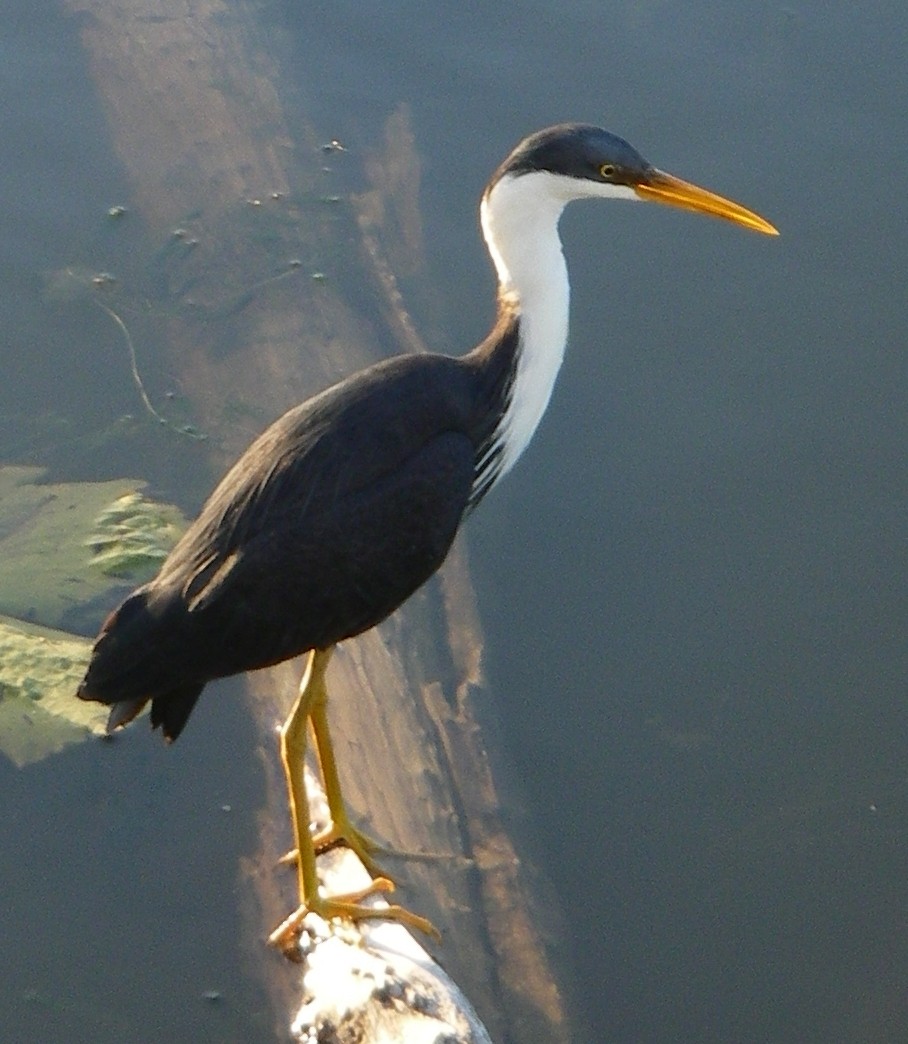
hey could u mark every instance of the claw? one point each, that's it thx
(332, 837)
(347, 907)
(290, 858)
(362, 845)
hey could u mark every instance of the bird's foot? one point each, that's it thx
(364, 847)
(346, 907)
(343, 832)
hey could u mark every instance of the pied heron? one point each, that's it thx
(350, 502)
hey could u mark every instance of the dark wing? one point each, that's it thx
(329, 565)
(328, 522)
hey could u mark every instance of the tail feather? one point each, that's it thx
(170, 710)
(140, 656)
(123, 712)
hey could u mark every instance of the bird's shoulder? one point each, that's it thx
(359, 429)
(319, 456)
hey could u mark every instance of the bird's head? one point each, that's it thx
(581, 161)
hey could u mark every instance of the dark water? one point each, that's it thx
(118, 862)
(692, 585)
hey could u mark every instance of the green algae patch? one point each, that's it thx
(40, 670)
(68, 553)
(64, 545)
(133, 536)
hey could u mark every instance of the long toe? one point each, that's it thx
(362, 845)
(347, 907)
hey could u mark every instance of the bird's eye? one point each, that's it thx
(608, 170)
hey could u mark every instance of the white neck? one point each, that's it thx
(520, 224)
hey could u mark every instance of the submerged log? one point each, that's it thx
(291, 284)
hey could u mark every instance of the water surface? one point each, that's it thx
(691, 586)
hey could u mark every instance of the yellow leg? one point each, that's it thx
(341, 828)
(293, 752)
(293, 756)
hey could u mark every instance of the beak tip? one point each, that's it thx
(660, 187)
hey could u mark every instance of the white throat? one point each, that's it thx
(520, 224)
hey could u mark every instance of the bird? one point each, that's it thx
(348, 503)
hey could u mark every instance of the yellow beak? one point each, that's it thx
(660, 187)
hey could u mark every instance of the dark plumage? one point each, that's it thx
(577, 150)
(330, 520)
(350, 502)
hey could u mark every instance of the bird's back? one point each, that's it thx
(328, 522)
